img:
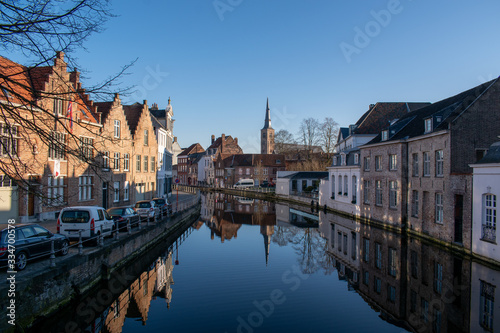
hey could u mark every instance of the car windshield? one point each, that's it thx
(116, 211)
(142, 205)
(75, 216)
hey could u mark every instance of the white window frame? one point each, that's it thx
(439, 163)
(116, 191)
(55, 191)
(393, 194)
(116, 162)
(85, 185)
(428, 125)
(393, 162)
(378, 193)
(126, 162)
(439, 207)
(116, 128)
(427, 164)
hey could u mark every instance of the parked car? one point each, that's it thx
(267, 184)
(147, 209)
(31, 241)
(90, 220)
(124, 215)
(244, 183)
(164, 205)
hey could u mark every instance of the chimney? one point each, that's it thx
(175, 139)
(145, 102)
(74, 78)
(60, 55)
(371, 106)
(213, 139)
(236, 141)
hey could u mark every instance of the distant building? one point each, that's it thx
(267, 134)
(185, 168)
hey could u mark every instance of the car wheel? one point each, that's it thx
(21, 261)
(64, 248)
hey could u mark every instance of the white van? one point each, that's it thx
(244, 183)
(88, 219)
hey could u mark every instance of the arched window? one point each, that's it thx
(340, 185)
(346, 186)
(354, 190)
(333, 186)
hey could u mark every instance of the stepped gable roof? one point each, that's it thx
(39, 76)
(448, 109)
(194, 148)
(104, 108)
(493, 155)
(133, 114)
(381, 114)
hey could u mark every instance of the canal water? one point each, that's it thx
(254, 266)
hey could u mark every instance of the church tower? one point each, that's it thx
(267, 134)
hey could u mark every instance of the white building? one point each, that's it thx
(484, 290)
(485, 194)
(206, 170)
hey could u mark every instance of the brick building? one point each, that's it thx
(415, 174)
(185, 171)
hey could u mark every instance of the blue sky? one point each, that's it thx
(223, 64)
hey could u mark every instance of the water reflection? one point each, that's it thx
(405, 282)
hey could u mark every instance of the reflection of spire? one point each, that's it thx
(267, 231)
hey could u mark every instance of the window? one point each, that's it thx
(439, 163)
(342, 159)
(377, 285)
(427, 164)
(55, 191)
(414, 264)
(366, 192)
(346, 186)
(356, 158)
(415, 165)
(240, 171)
(56, 146)
(6, 181)
(425, 310)
(58, 107)
(393, 194)
(146, 137)
(486, 305)
(85, 188)
(340, 185)
(247, 171)
(86, 147)
(489, 219)
(126, 162)
(392, 262)
(354, 190)
(366, 277)
(105, 160)
(378, 255)
(391, 293)
(428, 125)
(265, 171)
(332, 236)
(153, 166)
(393, 162)
(116, 191)
(117, 129)
(353, 246)
(339, 241)
(366, 163)
(378, 163)
(116, 161)
(146, 161)
(333, 186)
(138, 164)
(414, 203)
(385, 135)
(439, 207)
(438, 277)
(378, 193)
(366, 250)
(345, 243)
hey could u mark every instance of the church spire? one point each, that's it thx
(267, 123)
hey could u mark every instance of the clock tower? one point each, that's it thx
(267, 134)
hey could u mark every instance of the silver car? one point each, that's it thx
(147, 209)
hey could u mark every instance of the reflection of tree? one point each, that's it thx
(280, 236)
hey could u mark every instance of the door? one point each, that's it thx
(104, 195)
(459, 217)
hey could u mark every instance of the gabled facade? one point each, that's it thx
(145, 151)
(185, 170)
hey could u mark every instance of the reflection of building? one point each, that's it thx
(484, 314)
(343, 243)
(231, 212)
(164, 280)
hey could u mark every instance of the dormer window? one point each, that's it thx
(428, 125)
(385, 135)
(334, 160)
(356, 158)
(342, 156)
(439, 119)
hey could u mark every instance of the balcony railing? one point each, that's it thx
(489, 233)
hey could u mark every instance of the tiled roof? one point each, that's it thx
(18, 84)
(194, 148)
(308, 175)
(448, 109)
(380, 115)
(158, 113)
